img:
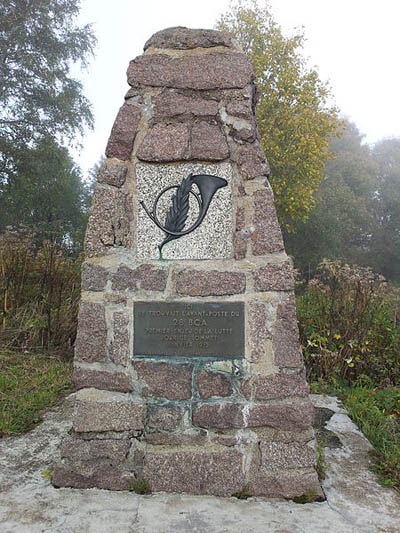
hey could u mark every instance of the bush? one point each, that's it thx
(349, 330)
(39, 293)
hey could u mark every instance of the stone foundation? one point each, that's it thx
(203, 425)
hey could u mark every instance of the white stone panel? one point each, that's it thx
(213, 239)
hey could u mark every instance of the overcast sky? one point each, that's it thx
(355, 45)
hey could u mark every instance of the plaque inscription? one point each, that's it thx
(211, 329)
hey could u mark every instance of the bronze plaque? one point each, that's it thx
(211, 329)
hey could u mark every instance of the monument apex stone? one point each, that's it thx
(181, 38)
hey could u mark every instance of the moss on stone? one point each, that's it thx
(141, 486)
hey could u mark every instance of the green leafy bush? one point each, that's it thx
(350, 334)
(349, 330)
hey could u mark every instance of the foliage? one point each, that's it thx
(29, 383)
(39, 293)
(384, 249)
(41, 107)
(377, 413)
(243, 494)
(308, 497)
(140, 486)
(340, 225)
(47, 195)
(351, 343)
(349, 328)
(357, 213)
(39, 42)
(294, 118)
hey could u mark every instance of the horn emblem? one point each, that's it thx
(174, 225)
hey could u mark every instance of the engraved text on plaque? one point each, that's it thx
(189, 329)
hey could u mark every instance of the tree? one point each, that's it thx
(341, 224)
(38, 96)
(47, 195)
(384, 250)
(357, 214)
(294, 119)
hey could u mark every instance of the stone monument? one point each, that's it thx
(187, 360)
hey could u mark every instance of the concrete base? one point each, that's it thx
(29, 503)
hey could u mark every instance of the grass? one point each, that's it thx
(29, 383)
(308, 497)
(376, 411)
(243, 494)
(140, 486)
(321, 464)
(377, 414)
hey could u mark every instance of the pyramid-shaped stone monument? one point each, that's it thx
(187, 362)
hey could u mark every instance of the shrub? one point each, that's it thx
(39, 293)
(349, 328)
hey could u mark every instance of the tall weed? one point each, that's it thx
(39, 293)
(349, 326)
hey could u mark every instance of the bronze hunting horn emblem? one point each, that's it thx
(179, 210)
